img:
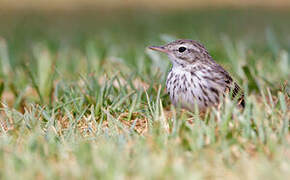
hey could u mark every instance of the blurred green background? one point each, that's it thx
(141, 27)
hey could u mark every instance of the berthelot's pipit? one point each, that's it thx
(195, 78)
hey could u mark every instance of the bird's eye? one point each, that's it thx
(181, 49)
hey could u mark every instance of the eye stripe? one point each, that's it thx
(194, 48)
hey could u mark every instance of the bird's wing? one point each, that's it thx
(231, 86)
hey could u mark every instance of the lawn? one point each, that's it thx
(82, 97)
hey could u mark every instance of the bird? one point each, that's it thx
(195, 78)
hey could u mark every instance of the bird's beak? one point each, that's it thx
(158, 48)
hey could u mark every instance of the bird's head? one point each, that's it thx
(184, 52)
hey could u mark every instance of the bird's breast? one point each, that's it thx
(189, 87)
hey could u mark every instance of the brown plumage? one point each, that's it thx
(195, 77)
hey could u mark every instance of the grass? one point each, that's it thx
(82, 98)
